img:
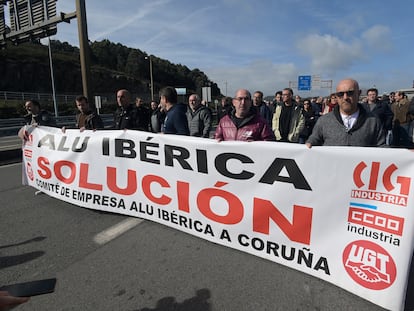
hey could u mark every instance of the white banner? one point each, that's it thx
(342, 214)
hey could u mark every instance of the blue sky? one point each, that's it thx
(263, 44)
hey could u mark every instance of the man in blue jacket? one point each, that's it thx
(175, 120)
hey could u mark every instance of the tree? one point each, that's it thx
(133, 66)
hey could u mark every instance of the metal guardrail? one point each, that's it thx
(41, 97)
(11, 126)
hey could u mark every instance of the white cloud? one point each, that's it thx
(329, 54)
(378, 37)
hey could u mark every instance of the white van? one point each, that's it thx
(408, 92)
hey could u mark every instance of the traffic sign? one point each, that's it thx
(304, 83)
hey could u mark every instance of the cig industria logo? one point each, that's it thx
(378, 182)
(369, 265)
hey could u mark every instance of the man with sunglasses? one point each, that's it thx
(349, 123)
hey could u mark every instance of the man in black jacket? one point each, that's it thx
(125, 116)
(143, 115)
(86, 119)
(37, 116)
(379, 108)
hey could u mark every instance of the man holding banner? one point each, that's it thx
(349, 124)
(243, 123)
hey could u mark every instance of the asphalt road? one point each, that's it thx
(10, 143)
(148, 267)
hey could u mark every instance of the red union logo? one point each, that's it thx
(397, 188)
(404, 182)
(388, 223)
(369, 265)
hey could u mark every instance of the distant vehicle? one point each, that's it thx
(408, 92)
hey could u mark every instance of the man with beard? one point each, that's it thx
(288, 120)
(86, 119)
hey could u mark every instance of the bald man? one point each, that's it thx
(348, 124)
(125, 116)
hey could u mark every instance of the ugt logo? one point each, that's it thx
(370, 265)
(397, 188)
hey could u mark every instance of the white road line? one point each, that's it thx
(11, 147)
(116, 230)
(10, 165)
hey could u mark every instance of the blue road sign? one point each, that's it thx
(304, 83)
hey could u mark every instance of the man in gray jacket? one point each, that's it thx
(199, 117)
(349, 124)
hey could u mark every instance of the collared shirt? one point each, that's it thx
(34, 116)
(349, 120)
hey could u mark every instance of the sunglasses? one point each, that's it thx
(348, 93)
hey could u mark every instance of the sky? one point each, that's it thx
(263, 44)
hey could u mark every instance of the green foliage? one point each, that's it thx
(25, 68)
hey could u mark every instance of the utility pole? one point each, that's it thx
(52, 76)
(84, 48)
(151, 77)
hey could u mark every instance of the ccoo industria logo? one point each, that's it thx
(370, 265)
(379, 183)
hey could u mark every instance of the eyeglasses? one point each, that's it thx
(285, 94)
(348, 93)
(239, 99)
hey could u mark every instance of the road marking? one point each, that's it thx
(116, 230)
(10, 165)
(11, 147)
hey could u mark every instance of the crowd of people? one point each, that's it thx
(345, 117)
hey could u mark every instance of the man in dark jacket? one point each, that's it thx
(157, 117)
(261, 107)
(125, 116)
(199, 117)
(243, 123)
(379, 108)
(143, 115)
(288, 120)
(36, 116)
(224, 108)
(175, 120)
(86, 119)
(349, 124)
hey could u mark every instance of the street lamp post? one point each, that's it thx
(151, 77)
(53, 81)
